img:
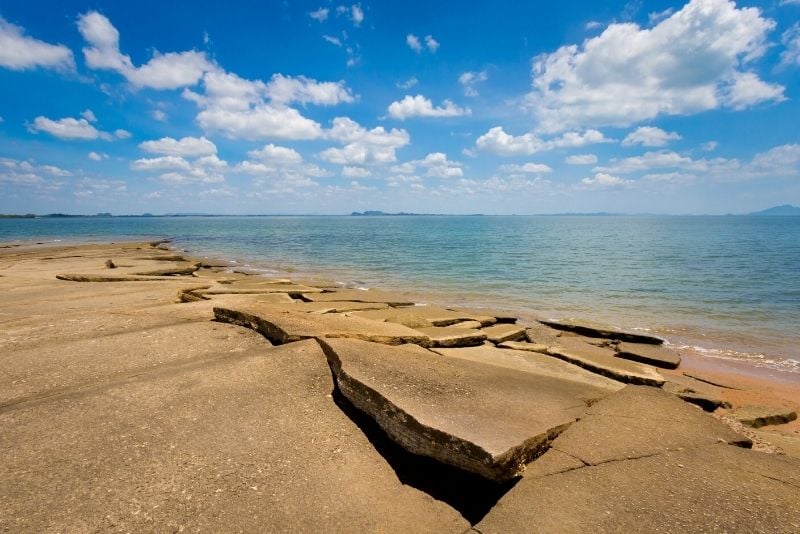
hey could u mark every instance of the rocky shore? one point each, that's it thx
(145, 390)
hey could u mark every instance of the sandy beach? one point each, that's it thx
(146, 390)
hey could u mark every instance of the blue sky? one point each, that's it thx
(329, 107)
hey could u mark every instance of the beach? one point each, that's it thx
(146, 389)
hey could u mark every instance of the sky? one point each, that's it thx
(249, 107)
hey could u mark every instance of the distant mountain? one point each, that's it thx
(786, 209)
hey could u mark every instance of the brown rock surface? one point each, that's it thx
(758, 416)
(487, 419)
(452, 337)
(604, 361)
(357, 295)
(503, 332)
(424, 316)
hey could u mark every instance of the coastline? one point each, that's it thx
(144, 387)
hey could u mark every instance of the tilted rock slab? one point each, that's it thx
(285, 327)
(586, 328)
(357, 295)
(501, 333)
(758, 416)
(425, 316)
(486, 419)
(649, 354)
(448, 336)
(604, 361)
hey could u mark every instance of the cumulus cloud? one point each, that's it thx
(69, 128)
(164, 71)
(649, 136)
(182, 164)
(431, 43)
(581, 159)
(408, 84)
(469, 79)
(286, 89)
(414, 43)
(362, 146)
(185, 147)
(418, 45)
(239, 108)
(279, 169)
(694, 60)
(420, 106)
(27, 175)
(497, 141)
(277, 155)
(22, 52)
(97, 156)
(355, 172)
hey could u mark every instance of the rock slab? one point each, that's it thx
(486, 419)
(586, 328)
(650, 354)
(758, 416)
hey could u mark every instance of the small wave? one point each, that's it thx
(788, 365)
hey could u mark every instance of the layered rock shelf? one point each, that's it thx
(202, 397)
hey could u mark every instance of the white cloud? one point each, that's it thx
(419, 106)
(692, 61)
(779, 161)
(355, 172)
(413, 43)
(648, 160)
(333, 40)
(362, 146)
(356, 14)
(67, 128)
(469, 79)
(436, 165)
(21, 52)
(186, 147)
(791, 43)
(159, 115)
(164, 71)
(431, 43)
(709, 146)
(581, 159)
(161, 163)
(602, 180)
(97, 156)
(593, 25)
(320, 15)
(276, 155)
(237, 107)
(286, 89)
(89, 115)
(527, 168)
(122, 134)
(496, 140)
(649, 136)
(408, 84)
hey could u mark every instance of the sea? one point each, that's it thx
(725, 287)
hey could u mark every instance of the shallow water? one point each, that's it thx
(725, 287)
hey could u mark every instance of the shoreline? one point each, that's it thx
(714, 354)
(134, 373)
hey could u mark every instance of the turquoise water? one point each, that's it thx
(727, 286)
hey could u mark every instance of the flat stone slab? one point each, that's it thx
(247, 289)
(586, 328)
(640, 421)
(452, 337)
(708, 401)
(524, 345)
(424, 316)
(650, 354)
(604, 361)
(501, 316)
(758, 416)
(70, 277)
(503, 332)
(285, 327)
(544, 335)
(486, 419)
(253, 442)
(528, 362)
(357, 295)
(711, 489)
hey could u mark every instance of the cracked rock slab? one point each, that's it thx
(487, 419)
(586, 328)
(641, 421)
(539, 364)
(656, 355)
(357, 295)
(452, 337)
(603, 361)
(503, 332)
(711, 489)
(425, 316)
(285, 327)
(758, 416)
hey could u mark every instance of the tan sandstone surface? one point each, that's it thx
(144, 390)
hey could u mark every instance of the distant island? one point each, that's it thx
(375, 213)
(786, 209)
